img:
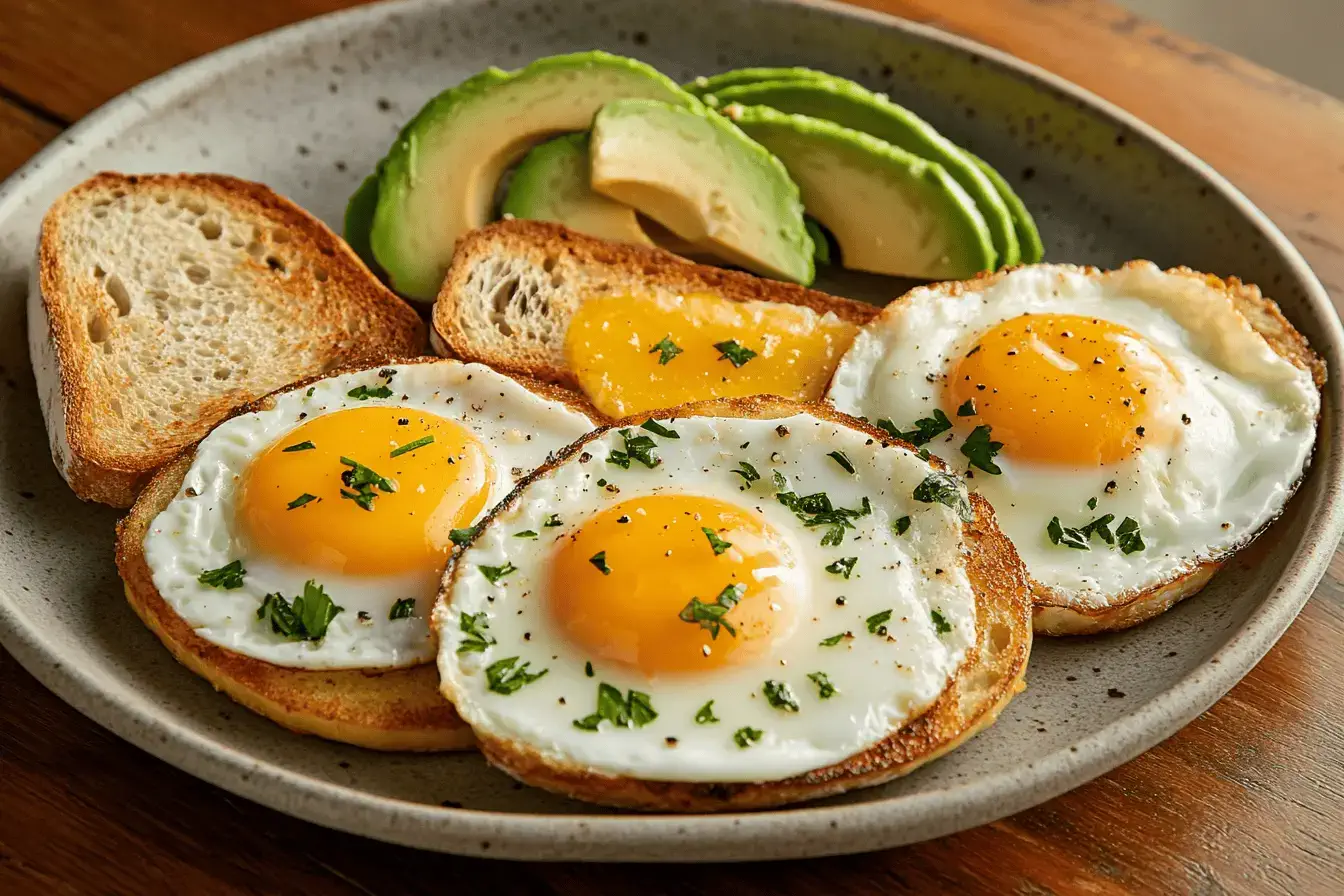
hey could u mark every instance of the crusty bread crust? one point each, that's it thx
(398, 709)
(1055, 613)
(482, 314)
(342, 314)
(992, 673)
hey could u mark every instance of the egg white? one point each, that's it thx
(1229, 471)
(883, 681)
(199, 530)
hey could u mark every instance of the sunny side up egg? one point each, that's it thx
(1126, 426)
(343, 500)
(710, 599)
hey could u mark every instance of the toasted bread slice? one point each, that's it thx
(396, 709)
(513, 287)
(992, 672)
(160, 302)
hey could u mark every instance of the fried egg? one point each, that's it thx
(1127, 426)
(710, 599)
(343, 498)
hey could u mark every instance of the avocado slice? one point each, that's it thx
(438, 180)
(706, 86)
(890, 211)
(851, 106)
(551, 184)
(359, 219)
(1028, 237)
(695, 173)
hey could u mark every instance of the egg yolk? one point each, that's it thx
(624, 587)
(635, 353)
(318, 497)
(1064, 388)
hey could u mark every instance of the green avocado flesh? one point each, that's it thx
(439, 179)
(890, 211)
(1028, 237)
(851, 106)
(359, 219)
(705, 87)
(695, 173)
(551, 184)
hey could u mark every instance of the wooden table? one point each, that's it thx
(1249, 798)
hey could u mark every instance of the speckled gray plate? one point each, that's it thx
(309, 109)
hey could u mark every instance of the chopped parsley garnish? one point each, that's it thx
(748, 473)
(526, 533)
(778, 695)
(588, 668)
(659, 429)
(816, 510)
(228, 577)
(306, 619)
(877, 623)
(1100, 526)
(715, 542)
(475, 630)
(666, 349)
(926, 428)
(940, 624)
(710, 616)
(638, 448)
(551, 521)
(825, 690)
(842, 567)
(1129, 536)
(364, 393)
(460, 537)
(300, 446)
(833, 640)
(705, 715)
(508, 675)
(745, 737)
(943, 488)
(360, 482)
(600, 561)
(1062, 535)
(633, 710)
(494, 573)
(733, 352)
(967, 408)
(1091, 503)
(300, 501)
(402, 609)
(411, 446)
(309, 393)
(900, 526)
(839, 458)
(980, 450)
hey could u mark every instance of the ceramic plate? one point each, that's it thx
(309, 110)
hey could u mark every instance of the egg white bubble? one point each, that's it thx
(200, 530)
(1228, 471)
(883, 679)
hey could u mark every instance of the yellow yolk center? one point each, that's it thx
(638, 353)
(1065, 388)
(658, 559)
(306, 505)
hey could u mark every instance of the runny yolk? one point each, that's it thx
(439, 486)
(659, 559)
(636, 353)
(1064, 388)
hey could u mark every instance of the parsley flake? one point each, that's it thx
(460, 537)
(926, 428)
(300, 446)
(1091, 503)
(667, 350)
(526, 533)
(980, 450)
(306, 619)
(833, 640)
(551, 521)
(900, 526)
(1129, 536)
(475, 630)
(228, 577)
(1100, 526)
(638, 448)
(748, 473)
(733, 352)
(411, 446)
(710, 616)
(364, 393)
(506, 676)
(877, 623)
(659, 429)
(301, 500)
(816, 510)
(705, 715)
(825, 690)
(943, 488)
(839, 458)
(494, 573)
(745, 737)
(778, 695)
(402, 609)
(715, 542)
(631, 710)
(940, 624)
(842, 567)
(1062, 535)
(360, 482)
(967, 408)
(600, 561)
(588, 668)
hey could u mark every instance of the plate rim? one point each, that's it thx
(783, 833)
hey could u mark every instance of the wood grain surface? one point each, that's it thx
(1247, 799)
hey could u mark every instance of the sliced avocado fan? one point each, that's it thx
(890, 211)
(439, 179)
(551, 184)
(695, 173)
(851, 106)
